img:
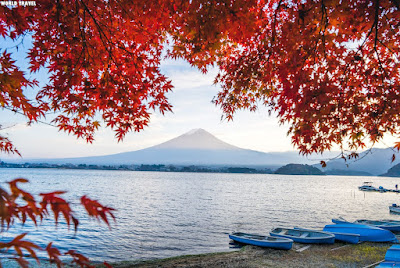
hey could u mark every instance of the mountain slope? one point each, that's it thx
(196, 139)
(376, 162)
(196, 147)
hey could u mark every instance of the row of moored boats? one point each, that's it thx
(367, 186)
(341, 230)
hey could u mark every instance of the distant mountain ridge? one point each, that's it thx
(375, 161)
(196, 147)
(199, 147)
(393, 171)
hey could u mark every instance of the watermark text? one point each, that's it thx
(18, 3)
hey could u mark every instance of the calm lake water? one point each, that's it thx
(168, 214)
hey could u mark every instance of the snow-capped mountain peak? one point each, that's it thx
(196, 139)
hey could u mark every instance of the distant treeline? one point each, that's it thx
(162, 168)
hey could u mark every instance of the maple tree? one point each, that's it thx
(329, 69)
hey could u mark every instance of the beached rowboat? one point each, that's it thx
(345, 237)
(349, 238)
(384, 224)
(388, 264)
(304, 235)
(388, 225)
(262, 240)
(366, 232)
(393, 253)
(392, 257)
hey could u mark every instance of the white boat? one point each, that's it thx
(394, 208)
(367, 186)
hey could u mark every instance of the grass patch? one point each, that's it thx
(157, 262)
(361, 253)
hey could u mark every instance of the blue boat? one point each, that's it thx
(306, 236)
(387, 225)
(340, 220)
(393, 253)
(345, 237)
(386, 264)
(262, 240)
(349, 238)
(366, 232)
(390, 225)
(392, 257)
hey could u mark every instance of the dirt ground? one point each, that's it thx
(337, 255)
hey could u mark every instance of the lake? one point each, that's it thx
(169, 214)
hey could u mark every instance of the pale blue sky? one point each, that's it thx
(192, 108)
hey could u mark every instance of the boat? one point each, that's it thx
(340, 220)
(349, 238)
(345, 237)
(393, 253)
(382, 189)
(390, 225)
(386, 264)
(262, 240)
(393, 221)
(366, 232)
(367, 186)
(387, 225)
(392, 257)
(394, 208)
(304, 235)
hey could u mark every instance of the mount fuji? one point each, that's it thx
(196, 147)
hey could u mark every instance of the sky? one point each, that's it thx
(192, 108)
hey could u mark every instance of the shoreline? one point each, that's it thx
(336, 255)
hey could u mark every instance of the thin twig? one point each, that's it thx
(18, 112)
(372, 265)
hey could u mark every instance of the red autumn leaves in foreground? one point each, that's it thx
(21, 205)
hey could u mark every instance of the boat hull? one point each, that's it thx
(386, 264)
(338, 221)
(394, 209)
(346, 237)
(262, 241)
(366, 232)
(304, 236)
(393, 253)
(368, 188)
(392, 257)
(384, 224)
(387, 225)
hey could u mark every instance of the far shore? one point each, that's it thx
(338, 255)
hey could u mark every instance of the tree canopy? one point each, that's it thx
(329, 69)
